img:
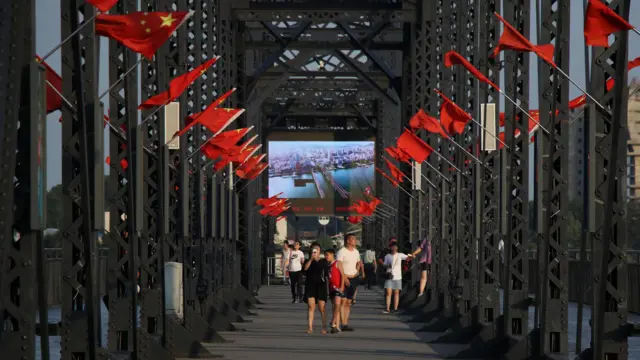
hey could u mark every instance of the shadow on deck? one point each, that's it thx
(279, 332)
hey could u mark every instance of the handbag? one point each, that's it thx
(388, 274)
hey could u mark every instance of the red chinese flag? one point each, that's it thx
(453, 118)
(278, 211)
(257, 170)
(177, 86)
(213, 118)
(423, 120)
(413, 146)
(54, 101)
(600, 22)
(374, 203)
(279, 203)
(395, 172)
(142, 32)
(453, 58)
(103, 5)
(228, 139)
(222, 163)
(212, 152)
(354, 219)
(268, 201)
(190, 121)
(244, 154)
(393, 182)
(245, 169)
(398, 154)
(514, 40)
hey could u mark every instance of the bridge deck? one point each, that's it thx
(278, 332)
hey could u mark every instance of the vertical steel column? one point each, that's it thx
(432, 44)
(79, 305)
(516, 188)
(486, 227)
(422, 68)
(123, 263)
(448, 28)
(465, 95)
(22, 134)
(553, 167)
(609, 334)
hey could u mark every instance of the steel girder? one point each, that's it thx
(319, 14)
(553, 196)
(80, 309)
(609, 330)
(487, 196)
(22, 179)
(516, 188)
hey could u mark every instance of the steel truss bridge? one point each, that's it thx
(299, 66)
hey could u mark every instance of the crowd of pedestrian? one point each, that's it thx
(334, 275)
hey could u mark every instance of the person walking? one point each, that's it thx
(286, 252)
(336, 287)
(349, 257)
(393, 284)
(424, 262)
(296, 259)
(316, 290)
(370, 266)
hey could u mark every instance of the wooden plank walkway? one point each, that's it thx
(278, 331)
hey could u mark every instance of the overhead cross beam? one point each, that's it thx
(365, 77)
(274, 57)
(365, 49)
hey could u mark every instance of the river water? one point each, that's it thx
(352, 180)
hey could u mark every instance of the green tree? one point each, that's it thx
(55, 210)
(325, 242)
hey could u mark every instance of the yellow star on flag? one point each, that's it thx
(228, 109)
(167, 21)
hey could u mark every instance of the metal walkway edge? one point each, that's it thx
(278, 331)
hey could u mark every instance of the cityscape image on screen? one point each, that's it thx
(321, 169)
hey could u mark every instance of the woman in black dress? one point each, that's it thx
(316, 291)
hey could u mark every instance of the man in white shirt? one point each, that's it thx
(349, 257)
(296, 260)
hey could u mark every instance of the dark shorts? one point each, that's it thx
(317, 291)
(423, 266)
(334, 293)
(350, 290)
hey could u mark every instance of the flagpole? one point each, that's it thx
(61, 96)
(447, 161)
(580, 88)
(382, 214)
(521, 109)
(582, 112)
(121, 78)
(436, 170)
(154, 112)
(440, 155)
(488, 132)
(74, 33)
(406, 192)
(165, 104)
(468, 153)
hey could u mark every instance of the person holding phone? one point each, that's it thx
(316, 290)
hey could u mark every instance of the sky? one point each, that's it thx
(48, 36)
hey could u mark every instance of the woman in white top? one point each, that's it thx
(393, 284)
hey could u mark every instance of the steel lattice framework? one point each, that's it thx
(308, 65)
